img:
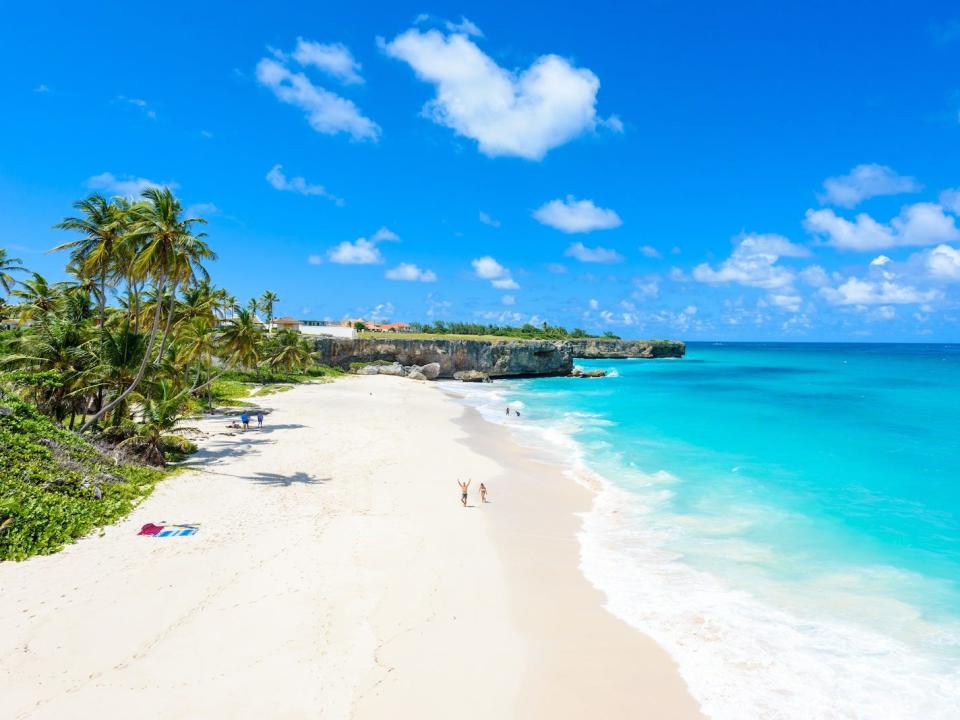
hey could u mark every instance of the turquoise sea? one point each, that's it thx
(783, 518)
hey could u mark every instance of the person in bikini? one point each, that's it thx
(483, 493)
(464, 488)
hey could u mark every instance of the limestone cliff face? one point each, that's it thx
(619, 349)
(517, 358)
(496, 359)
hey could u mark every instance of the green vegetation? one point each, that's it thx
(56, 486)
(477, 331)
(133, 343)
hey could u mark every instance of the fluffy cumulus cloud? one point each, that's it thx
(753, 263)
(334, 59)
(649, 251)
(410, 273)
(863, 182)
(326, 112)
(487, 268)
(523, 114)
(128, 185)
(297, 184)
(815, 276)
(576, 216)
(359, 252)
(363, 251)
(581, 252)
(917, 224)
(858, 291)
(943, 262)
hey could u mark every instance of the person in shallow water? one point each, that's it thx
(464, 488)
(483, 493)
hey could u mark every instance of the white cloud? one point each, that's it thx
(649, 251)
(523, 114)
(359, 252)
(867, 292)
(885, 312)
(298, 184)
(464, 27)
(486, 268)
(646, 287)
(814, 275)
(586, 254)
(917, 224)
(576, 216)
(326, 112)
(594, 304)
(950, 199)
(315, 259)
(487, 219)
(943, 262)
(508, 300)
(385, 234)
(786, 301)
(381, 312)
(128, 186)
(753, 262)
(863, 182)
(880, 261)
(411, 273)
(335, 59)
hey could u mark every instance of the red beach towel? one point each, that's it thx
(150, 529)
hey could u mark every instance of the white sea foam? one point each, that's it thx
(740, 656)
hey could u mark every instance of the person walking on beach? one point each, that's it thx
(245, 421)
(464, 488)
(260, 419)
(483, 493)
(508, 411)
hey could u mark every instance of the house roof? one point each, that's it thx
(287, 319)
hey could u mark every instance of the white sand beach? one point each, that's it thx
(335, 575)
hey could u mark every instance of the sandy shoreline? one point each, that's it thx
(335, 575)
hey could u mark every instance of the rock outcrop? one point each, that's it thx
(514, 358)
(593, 373)
(442, 358)
(598, 348)
(471, 376)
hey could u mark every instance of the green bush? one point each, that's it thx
(56, 487)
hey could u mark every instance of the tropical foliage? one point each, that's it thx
(138, 336)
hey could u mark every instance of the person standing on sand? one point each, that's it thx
(245, 421)
(483, 493)
(260, 418)
(508, 411)
(464, 488)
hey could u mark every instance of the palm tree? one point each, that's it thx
(168, 253)
(7, 266)
(289, 352)
(37, 298)
(161, 415)
(241, 339)
(103, 227)
(267, 301)
(199, 342)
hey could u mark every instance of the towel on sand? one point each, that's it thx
(167, 530)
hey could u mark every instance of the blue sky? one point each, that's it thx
(762, 171)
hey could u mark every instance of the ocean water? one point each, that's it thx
(783, 518)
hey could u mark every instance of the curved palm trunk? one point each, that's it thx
(166, 331)
(140, 372)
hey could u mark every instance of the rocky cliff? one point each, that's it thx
(517, 358)
(593, 348)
